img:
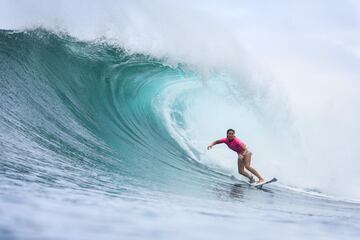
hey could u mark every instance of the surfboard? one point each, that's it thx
(260, 185)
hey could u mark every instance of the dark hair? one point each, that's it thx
(230, 130)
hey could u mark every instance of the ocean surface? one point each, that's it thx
(105, 137)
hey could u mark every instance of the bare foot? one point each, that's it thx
(260, 181)
(252, 179)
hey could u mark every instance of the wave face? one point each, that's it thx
(87, 108)
(117, 115)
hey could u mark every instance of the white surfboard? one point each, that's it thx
(260, 185)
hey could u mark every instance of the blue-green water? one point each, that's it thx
(88, 151)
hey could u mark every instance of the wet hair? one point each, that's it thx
(230, 130)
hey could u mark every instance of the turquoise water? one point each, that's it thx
(88, 151)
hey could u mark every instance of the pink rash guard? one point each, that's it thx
(236, 144)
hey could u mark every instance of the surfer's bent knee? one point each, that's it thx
(246, 153)
(247, 157)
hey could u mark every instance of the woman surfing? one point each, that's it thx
(244, 155)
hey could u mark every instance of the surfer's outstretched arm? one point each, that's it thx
(213, 143)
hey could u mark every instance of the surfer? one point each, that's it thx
(244, 155)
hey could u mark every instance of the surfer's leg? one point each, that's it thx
(241, 168)
(247, 162)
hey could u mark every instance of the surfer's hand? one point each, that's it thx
(209, 147)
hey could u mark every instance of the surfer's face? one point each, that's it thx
(230, 135)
